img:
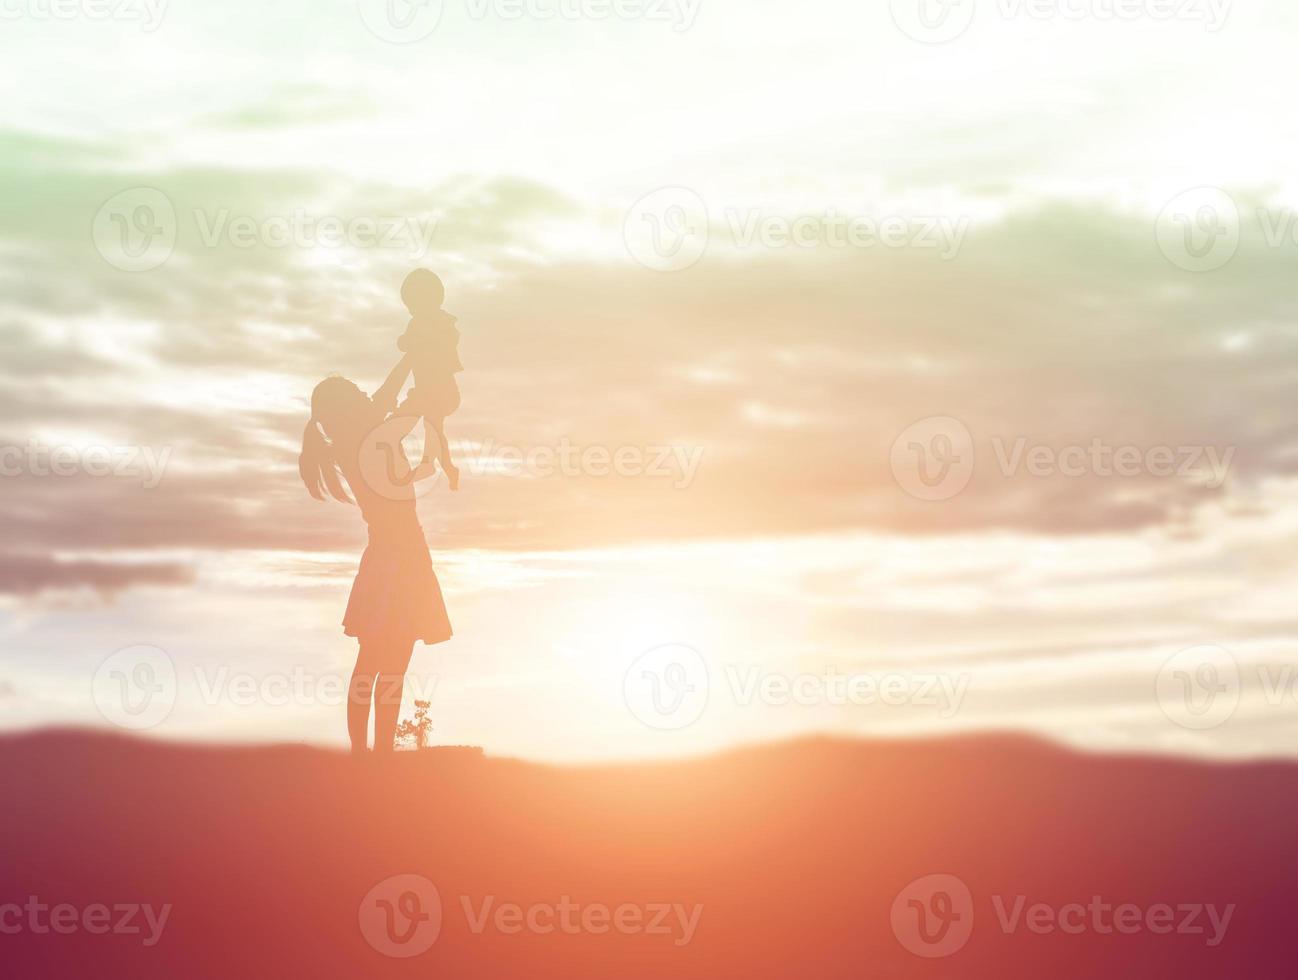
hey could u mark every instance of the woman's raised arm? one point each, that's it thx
(386, 397)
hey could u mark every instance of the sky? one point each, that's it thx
(878, 369)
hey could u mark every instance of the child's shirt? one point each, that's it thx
(435, 343)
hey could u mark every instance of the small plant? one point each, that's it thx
(416, 734)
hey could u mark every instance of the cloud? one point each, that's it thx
(789, 372)
(29, 575)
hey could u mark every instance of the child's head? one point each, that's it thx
(422, 292)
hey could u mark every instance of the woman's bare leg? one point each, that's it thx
(387, 709)
(359, 693)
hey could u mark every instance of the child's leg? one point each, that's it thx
(444, 455)
(436, 447)
(430, 440)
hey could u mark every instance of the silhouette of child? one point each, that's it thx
(432, 340)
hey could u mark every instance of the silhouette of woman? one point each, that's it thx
(395, 599)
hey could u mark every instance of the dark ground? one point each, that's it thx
(795, 853)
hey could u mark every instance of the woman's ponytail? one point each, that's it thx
(317, 466)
